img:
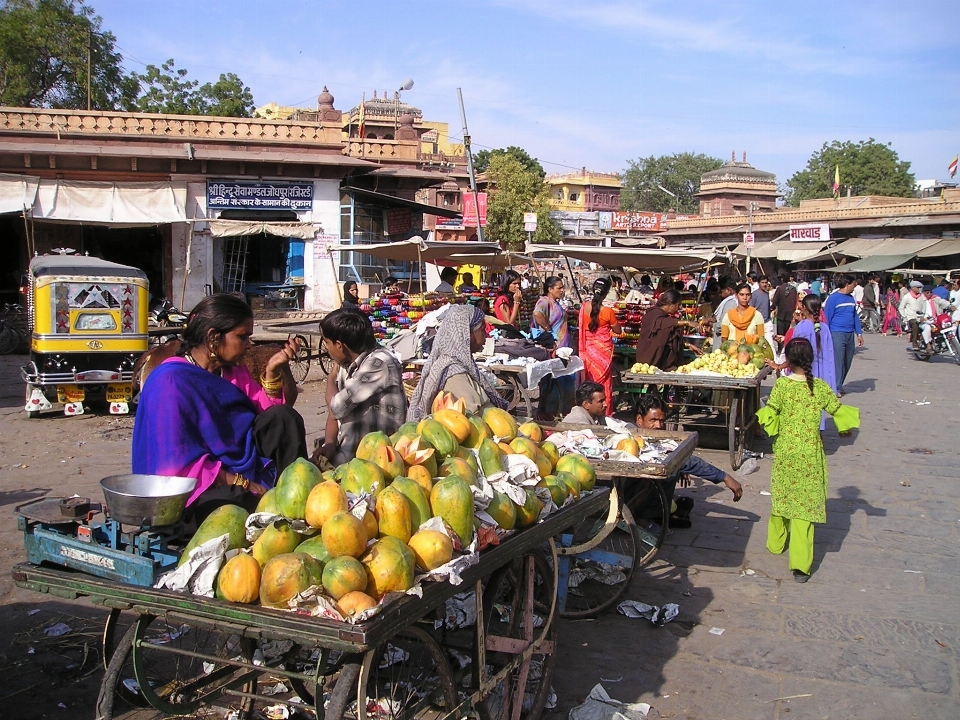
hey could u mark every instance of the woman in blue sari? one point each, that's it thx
(202, 415)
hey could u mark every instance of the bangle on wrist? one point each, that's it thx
(240, 481)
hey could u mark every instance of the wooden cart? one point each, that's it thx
(309, 338)
(708, 401)
(185, 653)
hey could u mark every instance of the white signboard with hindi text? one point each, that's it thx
(813, 232)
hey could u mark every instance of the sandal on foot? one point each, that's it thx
(800, 576)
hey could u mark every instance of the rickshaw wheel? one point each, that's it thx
(323, 357)
(506, 599)
(408, 676)
(300, 364)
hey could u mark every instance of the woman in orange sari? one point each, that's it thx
(742, 320)
(598, 324)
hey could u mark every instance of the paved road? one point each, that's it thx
(874, 634)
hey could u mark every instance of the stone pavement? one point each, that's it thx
(874, 634)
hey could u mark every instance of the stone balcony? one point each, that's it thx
(382, 150)
(187, 128)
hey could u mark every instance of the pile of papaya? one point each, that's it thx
(403, 505)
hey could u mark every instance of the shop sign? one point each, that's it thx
(749, 239)
(470, 209)
(642, 221)
(430, 136)
(230, 195)
(443, 223)
(398, 221)
(813, 232)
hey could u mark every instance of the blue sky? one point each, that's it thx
(594, 83)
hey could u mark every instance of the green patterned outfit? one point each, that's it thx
(798, 482)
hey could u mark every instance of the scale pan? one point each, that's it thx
(147, 500)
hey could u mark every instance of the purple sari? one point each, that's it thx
(823, 366)
(190, 422)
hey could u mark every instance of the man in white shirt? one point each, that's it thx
(448, 277)
(858, 297)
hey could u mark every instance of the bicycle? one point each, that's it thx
(13, 331)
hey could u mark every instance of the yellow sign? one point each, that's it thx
(70, 394)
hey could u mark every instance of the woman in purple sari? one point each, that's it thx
(201, 414)
(812, 327)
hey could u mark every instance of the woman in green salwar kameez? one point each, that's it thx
(798, 482)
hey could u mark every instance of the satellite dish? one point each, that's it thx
(407, 84)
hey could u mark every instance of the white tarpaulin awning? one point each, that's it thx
(17, 192)
(666, 260)
(500, 260)
(236, 228)
(108, 203)
(414, 250)
(867, 247)
(783, 251)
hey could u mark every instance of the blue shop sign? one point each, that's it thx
(229, 195)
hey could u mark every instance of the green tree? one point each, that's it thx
(516, 189)
(481, 161)
(43, 57)
(168, 90)
(866, 168)
(679, 173)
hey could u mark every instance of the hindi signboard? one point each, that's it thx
(470, 209)
(243, 195)
(813, 232)
(398, 221)
(749, 239)
(642, 221)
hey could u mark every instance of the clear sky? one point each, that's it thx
(594, 83)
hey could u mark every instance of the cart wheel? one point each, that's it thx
(177, 668)
(323, 357)
(738, 436)
(109, 639)
(316, 662)
(406, 677)
(300, 364)
(647, 502)
(517, 605)
(596, 571)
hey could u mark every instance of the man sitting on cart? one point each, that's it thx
(591, 407)
(651, 415)
(364, 392)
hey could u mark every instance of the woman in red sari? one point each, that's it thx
(598, 324)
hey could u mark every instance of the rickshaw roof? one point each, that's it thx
(81, 265)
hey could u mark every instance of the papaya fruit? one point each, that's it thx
(556, 488)
(478, 432)
(225, 520)
(344, 534)
(369, 521)
(390, 565)
(573, 486)
(354, 603)
(452, 500)
(408, 428)
(531, 430)
(441, 439)
(528, 448)
(552, 453)
(268, 502)
(491, 457)
(370, 443)
(630, 446)
(501, 423)
(502, 510)
(276, 539)
(294, 486)
(444, 400)
(529, 512)
(460, 467)
(358, 476)
(431, 549)
(580, 467)
(315, 548)
(415, 451)
(470, 458)
(285, 576)
(421, 476)
(389, 461)
(342, 575)
(418, 498)
(325, 500)
(393, 515)
(239, 579)
(454, 421)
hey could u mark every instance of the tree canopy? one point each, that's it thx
(679, 173)
(866, 168)
(168, 90)
(517, 189)
(481, 161)
(43, 57)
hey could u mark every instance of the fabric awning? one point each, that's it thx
(866, 247)
(17, 192)
(640, 258)
(499, 260)
(874, 263)
(941, 249)
(391, 201)
(783, 251)
(109, 203)
(418, 249)
(236, 228)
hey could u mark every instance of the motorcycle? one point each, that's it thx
(944, 340)
(166, 314)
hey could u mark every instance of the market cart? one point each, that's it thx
(184, 653)
(626, 534)
(309, 338)
(704, 401)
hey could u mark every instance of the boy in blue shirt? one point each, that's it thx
(840, 311)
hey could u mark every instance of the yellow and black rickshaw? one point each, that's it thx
(88, 326)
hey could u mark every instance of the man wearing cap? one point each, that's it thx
(914, 309)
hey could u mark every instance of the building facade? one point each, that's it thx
(584, 191)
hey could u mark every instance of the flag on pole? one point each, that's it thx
(836, 183)
(360, 120)
(953, 165)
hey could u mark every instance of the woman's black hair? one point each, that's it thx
(586, 391)
(221, 313)
(669, 297)
(550, 282)
(601, 286)
(347, 297)
(740, 287)
(812, 304)
(799, 354)
(351, 327)
(509, 277)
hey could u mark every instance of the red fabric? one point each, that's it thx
(596, 349)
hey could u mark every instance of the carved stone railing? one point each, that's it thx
(383, 150)
(196, 128)
(799, 215)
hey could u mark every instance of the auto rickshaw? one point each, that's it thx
(88, 326)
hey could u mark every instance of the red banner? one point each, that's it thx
(470, 209)
(642, 221)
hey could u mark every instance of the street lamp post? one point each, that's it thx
(407, 84)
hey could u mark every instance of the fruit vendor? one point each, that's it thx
(365, 393)
(651, 415)
(591, 407)
(451, 367)
(742, 322)
(202, 415)
(661, 333)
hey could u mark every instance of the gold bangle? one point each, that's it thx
(240, 481)
(271, 386)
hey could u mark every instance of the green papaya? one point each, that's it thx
(491, 457)
(419, 502)
(441, 439)
(225, 520)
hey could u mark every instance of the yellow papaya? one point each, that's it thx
(419, 501)
(452, 500)
(456, 422)
(393, 515)
(501, 423)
